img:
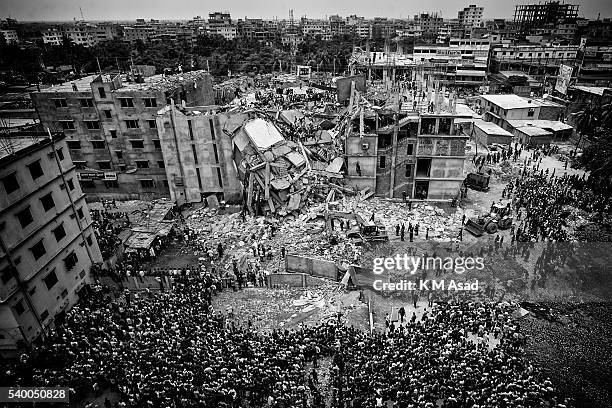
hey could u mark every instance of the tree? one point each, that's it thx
(595, 124)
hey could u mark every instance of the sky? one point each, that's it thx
(121, 10)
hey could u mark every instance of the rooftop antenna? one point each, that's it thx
(82, 18)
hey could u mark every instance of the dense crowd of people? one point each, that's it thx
(542, 201)
(107, 226)
(172, 349)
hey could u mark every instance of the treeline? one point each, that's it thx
(209, 52)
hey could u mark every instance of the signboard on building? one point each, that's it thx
(563, 80)
(448, 52)
(97, 175)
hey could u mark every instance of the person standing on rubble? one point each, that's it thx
(220, 250)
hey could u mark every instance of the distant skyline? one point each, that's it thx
(121, 10)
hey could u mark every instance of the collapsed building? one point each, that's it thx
(275, 170)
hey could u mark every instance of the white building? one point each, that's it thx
(47, 242)
(53, 36)
(471, 16)
(9, 36)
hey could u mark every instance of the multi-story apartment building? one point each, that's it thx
(471, 16)
(540, 61)
(47, 242)
(315, 28)
(85, 34)
(422, 156)
(82, 34)
(111, 129)
(52, 36)
(430, 24)
(198, 155)
(9, 36)
(451, 29)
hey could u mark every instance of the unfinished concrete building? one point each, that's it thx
(198, 155)
(419, 155)
(530, 16)
(111, 128)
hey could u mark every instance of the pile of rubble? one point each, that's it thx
(442, 226)
(288, 308)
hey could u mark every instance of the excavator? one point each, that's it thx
(500, 217)
(363, 232)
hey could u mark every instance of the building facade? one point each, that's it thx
(471, 16)
(47, 242)
(198, 155)
(111, 128)
(9, 36)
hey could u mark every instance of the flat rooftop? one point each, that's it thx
(157, 82)
(512, 101)
(491, 128)
(10, 146)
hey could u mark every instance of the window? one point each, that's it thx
(150, 102)
(70, 261)
(111, 184)
(199, 177)
(60, 153)
(50, 280)
(113, 134)
(74, 144)
(104, 165)
(137, 144)
(219, 178)
(161, 164)
(408, 170)
(166, 183)
(126, 102)
(7, 274)
(92, 124)
(98, 144)
(108, 113)
(152, 124)
(157, 144)
(87, 103)
(142, 164)
(216, 153)
(190, 129)
(10, 183)
(38, 250)
(122, 167)
(410, 149)
(35, 170)
(147, 183)
(67, 124)
(89, 241)
(47, 202)
(80, 164)
(60, 103)
(131, 124)
(80, 213)
(531, 112)
(59, 232)
(70, 184)
(212, 129)
(19, 307)
(383, 162)
(119, 154)
(195, 155)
